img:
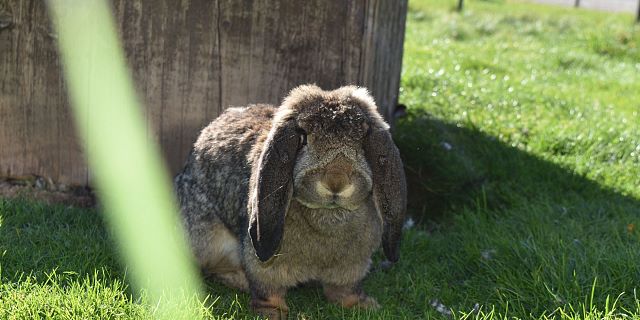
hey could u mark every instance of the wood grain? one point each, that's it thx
(190, 59)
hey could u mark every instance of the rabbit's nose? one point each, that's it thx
(337, 173)
(335, 181)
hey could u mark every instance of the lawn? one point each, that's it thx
(522, 149)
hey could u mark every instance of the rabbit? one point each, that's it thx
(272, 197)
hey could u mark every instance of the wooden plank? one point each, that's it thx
(12, 130)
(266, 64)
(235, 29)
(290, 43)
(382, 52)
(43, 148)
(201, 102)
(176, 51)
(153, 26)
(33, 99)
(172, 48)
(354, 33)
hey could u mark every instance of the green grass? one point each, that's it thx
(522, 148)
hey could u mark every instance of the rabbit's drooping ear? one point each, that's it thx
(389, 187)
(272, 188)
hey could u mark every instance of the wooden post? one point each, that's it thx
(638, 14)
(190, 60)
(460, 5)
(576, 4)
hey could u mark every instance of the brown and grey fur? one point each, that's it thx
(265, 211)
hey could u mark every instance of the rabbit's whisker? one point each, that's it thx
(273, 192)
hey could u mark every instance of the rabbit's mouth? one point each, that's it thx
(334, 203)
(322, 217)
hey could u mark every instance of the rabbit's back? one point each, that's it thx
(215, 180)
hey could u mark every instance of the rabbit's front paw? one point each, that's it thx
(273, 307)
(350, 296)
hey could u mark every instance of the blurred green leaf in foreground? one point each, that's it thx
(127, 170)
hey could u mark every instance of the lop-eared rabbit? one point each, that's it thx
(272, 197)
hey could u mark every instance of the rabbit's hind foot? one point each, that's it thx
(220, 257)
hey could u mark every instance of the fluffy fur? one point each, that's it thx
(274, 197)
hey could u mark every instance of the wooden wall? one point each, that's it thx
(190, 59)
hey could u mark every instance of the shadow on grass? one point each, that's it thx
(450, 167)
(509, 229)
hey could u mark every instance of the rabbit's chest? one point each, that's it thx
(340, 247)
(317, 250)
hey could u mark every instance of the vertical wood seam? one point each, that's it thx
(219, 45)
(363, 42)
(24, 110)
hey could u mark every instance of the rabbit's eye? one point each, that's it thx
(303, 138)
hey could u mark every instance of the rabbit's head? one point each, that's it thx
(326, 149)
